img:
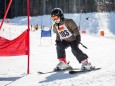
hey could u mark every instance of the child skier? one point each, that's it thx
(67, 34)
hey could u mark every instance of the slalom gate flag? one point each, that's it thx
(15, 47)
(45, 33)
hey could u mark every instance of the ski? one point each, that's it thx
(82, 71)
(40, 72)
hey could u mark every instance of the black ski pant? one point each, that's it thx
(60, 47)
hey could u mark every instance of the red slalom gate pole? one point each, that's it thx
(5, 13)
(28, 13)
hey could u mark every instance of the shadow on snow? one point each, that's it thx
(9, 78)
(58, 76)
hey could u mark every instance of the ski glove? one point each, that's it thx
(57, 41)
(78, 39)
(61, 42)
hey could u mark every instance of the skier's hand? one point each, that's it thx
(57, 41)
(61, 42)
(78, 39)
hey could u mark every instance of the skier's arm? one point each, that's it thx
(73, 27)
(55, 31)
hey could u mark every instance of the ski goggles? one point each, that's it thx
(55, 18)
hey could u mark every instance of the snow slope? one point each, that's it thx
(43, 58)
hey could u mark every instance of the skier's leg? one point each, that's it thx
(81, 57)
(61, 55)
(77, 52)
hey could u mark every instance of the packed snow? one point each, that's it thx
(13, 69)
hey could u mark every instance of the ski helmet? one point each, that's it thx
(57, 12)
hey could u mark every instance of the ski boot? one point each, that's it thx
(61, 66)
(86, 65)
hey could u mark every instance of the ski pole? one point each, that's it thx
(83, 46)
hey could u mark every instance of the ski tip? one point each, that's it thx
(40, 72)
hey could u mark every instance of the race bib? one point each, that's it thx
(63, 32)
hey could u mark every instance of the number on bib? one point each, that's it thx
(64, 33)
